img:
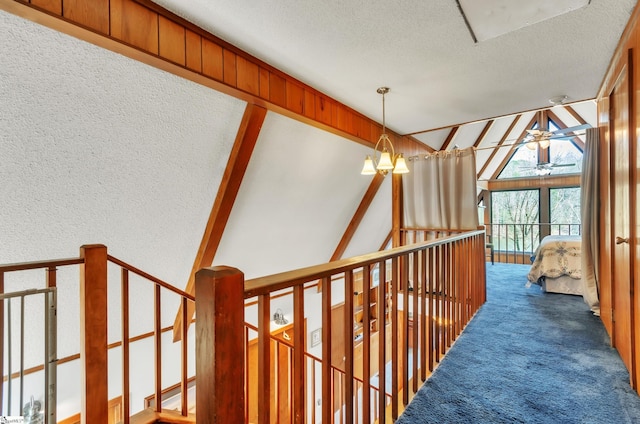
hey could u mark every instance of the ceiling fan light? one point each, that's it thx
(544, 143)
(368, 168)
(385, 163)
(531, 145)
(401, 165)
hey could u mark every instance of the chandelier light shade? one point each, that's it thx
(368, 168)
(384, 158)
(544, 143)
(531, 145)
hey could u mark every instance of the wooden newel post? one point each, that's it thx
(219, 345)
(93, 334)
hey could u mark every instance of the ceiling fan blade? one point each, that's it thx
(557, 165)
(535, 132)
(572, 129)
(565, 137)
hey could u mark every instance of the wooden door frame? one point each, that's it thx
(628, 69)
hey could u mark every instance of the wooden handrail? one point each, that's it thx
(23, 266)
(283, 280)
(440, 280)
(93, 322)
(439, 285)
(150, 277)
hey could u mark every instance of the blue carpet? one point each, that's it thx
(528, 357)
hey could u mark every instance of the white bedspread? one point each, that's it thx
(557, 256)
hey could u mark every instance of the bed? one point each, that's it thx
(557, 265)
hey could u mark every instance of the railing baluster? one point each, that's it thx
(423, 316)
(264, 359)
(22, 352)
(298, 375)
(9, 356)
(327, 407)
(382, 340)
(184, 373)
(51, 349)
(437, 300)
(366, 344)
(404, 276)
(247, 394)
(348, 337)
(157, 337)
(415, 319)
(394, 336)
(2, 344)
(126, 404)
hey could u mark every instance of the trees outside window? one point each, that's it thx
(564, 206)
(519, 208)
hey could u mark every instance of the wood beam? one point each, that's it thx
(512, 149)
(358, 216)
(575, 140)
(386, 241)
(575, 114)
(549, 181)
(157, 37)
(500, 143)
(449, 139)
(244, 144)
(483, 133)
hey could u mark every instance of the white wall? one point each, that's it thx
(98, 148)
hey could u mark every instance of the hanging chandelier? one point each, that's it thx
(384, 158)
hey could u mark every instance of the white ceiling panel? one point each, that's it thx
(492, 18)
(424, 52)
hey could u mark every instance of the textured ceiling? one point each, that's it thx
(423, 50)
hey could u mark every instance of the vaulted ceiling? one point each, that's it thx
(127, 154)
(439, 75)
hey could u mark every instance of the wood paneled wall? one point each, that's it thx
(149, 28)
(619, 272)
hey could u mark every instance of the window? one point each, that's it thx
(566, 155)
(512, 213)
(522, 164)
(563, 157)
(564, 204)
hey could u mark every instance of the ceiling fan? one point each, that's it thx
(545, 168)
(544, 137)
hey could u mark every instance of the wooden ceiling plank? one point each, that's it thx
(357, 217)
(239, 157)
(500, 143)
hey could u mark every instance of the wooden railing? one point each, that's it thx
(435, 288)
(516, 243)
(94, 348)
(50, 269)
(419, 299)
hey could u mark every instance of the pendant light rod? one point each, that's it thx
(383, 91)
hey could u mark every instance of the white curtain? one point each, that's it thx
(440, 191)
(589, 207)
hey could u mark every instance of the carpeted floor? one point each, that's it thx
(528, 357)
